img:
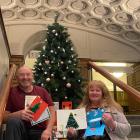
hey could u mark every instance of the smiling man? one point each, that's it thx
(18, 119)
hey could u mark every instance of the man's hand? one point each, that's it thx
(26, 115)
(46, 135)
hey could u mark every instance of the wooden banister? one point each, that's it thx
(5, 91)
(128, 89)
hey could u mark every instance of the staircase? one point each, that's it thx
(134, 120)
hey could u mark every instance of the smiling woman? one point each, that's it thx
(4, 53)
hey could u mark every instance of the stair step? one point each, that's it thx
(133, 138)
(133, 119)
(135, 132)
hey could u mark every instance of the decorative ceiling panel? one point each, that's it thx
(29, 2)
(94, 23)
(117, 18)
(6, 2)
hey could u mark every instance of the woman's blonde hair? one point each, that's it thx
(107, 100)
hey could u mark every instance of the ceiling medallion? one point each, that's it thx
(41, 8)
(123, 17)
(17, 8)
(55, 3)
(114, 28)
(137, 14)
(110, 2)
(94, 22)
(133, 4)
(132, 36)
(50, 13)
(79, 5)
(29, 13)
(101, 10)
(138, 25)
(7, 14)
(127, 27)
(5, 2)
(29, 2)
(73, 17)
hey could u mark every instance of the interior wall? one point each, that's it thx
(4, 60)
(98, 76)
(88, 44)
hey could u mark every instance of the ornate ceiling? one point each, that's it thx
(118, 18)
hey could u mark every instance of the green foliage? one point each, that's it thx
(35, 107)
(72, 122)
(56, 68)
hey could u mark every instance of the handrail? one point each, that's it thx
(128, 89)
(5, 92)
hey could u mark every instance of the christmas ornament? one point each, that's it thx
(47, 61)
(63, 50)
(79, 80)
(72, 71)
(53, 31)
(58, 47)
(56, 89)
(45, 72)
(51, 51)
(40, 64)
(52, 75)
(44, 47)
(69, 61)
(56, 34)
(45, 39)
(62, 62)
(48, 79)
(64, 78)
(42, 84)
(68, 85)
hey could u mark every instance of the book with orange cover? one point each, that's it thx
(40, 109)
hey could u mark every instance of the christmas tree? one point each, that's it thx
(72, 122)
(56, 68)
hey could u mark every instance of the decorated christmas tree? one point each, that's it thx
(56, 68)
(72, 122)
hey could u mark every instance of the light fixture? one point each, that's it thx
(117, 74)
(110, 64)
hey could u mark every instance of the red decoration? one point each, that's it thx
(67, 105)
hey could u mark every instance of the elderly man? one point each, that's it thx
(18, 118)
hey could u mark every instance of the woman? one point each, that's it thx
(96, 96)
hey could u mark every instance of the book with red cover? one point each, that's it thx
(40, 109)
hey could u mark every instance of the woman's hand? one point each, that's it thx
(71, 133)
(108, 120)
